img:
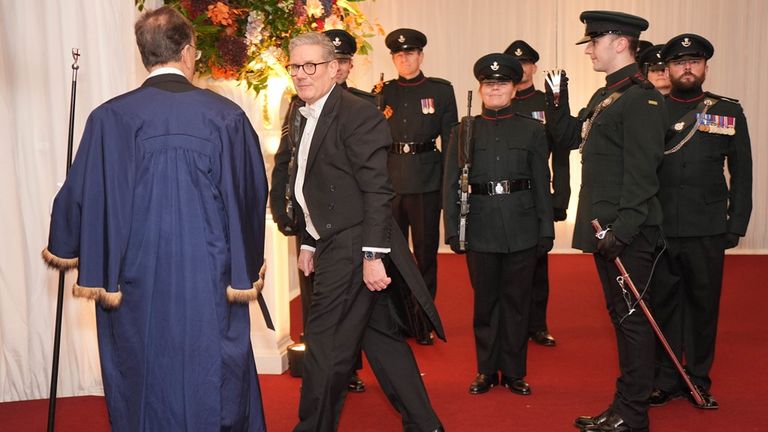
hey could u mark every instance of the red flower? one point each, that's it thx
(233, 51)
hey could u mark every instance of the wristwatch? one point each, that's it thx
(372, 256)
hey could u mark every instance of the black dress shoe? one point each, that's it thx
(614, 423)
(660, 397)
(356, 385)
(587, 423)
(709, 400)
(426, 339)
(543, 337)
(518, 386)
(483, 383)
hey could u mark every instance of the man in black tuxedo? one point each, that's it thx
(343, 193)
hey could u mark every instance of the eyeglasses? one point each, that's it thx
(687, 62)
(309, 68)
(198, 53)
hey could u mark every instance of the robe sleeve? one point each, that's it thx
(243, 183)
(90, 220)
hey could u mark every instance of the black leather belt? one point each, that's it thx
(503, 187)
(412, 147)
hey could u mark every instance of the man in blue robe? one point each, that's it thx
(163, 215)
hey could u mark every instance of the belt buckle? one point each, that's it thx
(406, 148)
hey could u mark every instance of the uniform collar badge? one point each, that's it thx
(679, 126)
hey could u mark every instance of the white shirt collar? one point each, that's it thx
(166, 70)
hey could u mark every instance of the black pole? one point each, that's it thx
(60, 295)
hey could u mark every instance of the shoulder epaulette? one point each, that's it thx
(642, 82)
(359, 92)
(727, 99)
(439, 80)
(526, 116)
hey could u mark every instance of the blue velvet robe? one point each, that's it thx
(163, 214)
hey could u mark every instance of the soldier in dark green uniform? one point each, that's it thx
(530, 101)
(345, 48)
(419, 110)
(655, 68)
(621, 145)
(703, 216)
(509, 224)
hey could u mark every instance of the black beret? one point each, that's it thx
(498, 67)
(405, 39)
(522, 51)
(599, 23)
(651, 56)
(687, 44)
(344, 43)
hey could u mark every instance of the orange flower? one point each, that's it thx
(222, 72)
(221, 14)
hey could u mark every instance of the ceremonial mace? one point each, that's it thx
(60, 296)
(624, 279)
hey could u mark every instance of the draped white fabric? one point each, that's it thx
(36, 38)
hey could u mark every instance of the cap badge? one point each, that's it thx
(495, 66)
(686, 42)
(401, 39)
(518, 52)
(658, 54)
(336, 42)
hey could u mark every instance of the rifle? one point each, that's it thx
(465, 162)
(379, 93)
(624, 278)
(294, 137)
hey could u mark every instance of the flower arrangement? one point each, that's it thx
(247, 40)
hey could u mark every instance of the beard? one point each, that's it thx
(687, 81)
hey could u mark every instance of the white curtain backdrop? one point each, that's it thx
(36, 37)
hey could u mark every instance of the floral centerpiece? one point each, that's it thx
(247, 40)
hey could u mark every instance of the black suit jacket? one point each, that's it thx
(346, 184)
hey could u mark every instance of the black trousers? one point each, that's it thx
(419, 215)
(344, 317)
(503, 284)
(305, 290)
(686, 304)
(540, 295)
(635, 339)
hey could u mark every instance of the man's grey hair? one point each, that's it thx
(315, 38)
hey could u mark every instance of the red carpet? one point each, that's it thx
(575, 378)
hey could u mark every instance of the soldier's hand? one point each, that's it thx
(560, 214)
(610, 246)
(286, 226)
(731, 240)
(549, 96)
(453, 242)
(544, 246)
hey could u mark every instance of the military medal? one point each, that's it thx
(540, 116)
(428, 106)
(716, 124)
(552, 78)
